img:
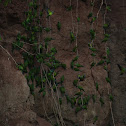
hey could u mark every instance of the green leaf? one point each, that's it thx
(105, 26)
(78, 109)
(31, 87)
(44, 93)
(24, 38)
(20, 67)
(86, 100)
(17, 45)
(108, 8)
(102, 101)
(92, 33)
(72, 65)
(93, 19)
(100, 62)
(75, 49)
(108, 51)
(38, 81)
(72, 37)
(69, 8)
(81, 88)
(31, 4)
(73, 102)
(41, 13)
(0, 38)
(48, 64)
(63, 65)
(28, 78)
(56, 65)
(35, 6)
(93, 54)
(47, 39)
(111, 97)
(33, 93)
(94, 98)
(92, 4)
(62, 79)
(54, 88)
(59, 26)
(79, 101)
(122, 69)
(95, 119)
(75, 82)
(93, 64)
(78, 65)
(35, 29)
(53, 50)
(105, 67)
(89, 45)
(75, 59)
(68, 99)
(108, 80)
(104, 57)
(62, 90)
(105, 39)
(25, 63)
(107, 61)
(107, 35)
(90, 15)
(81, 78)
(97, 86)
(79, 93)
(40, 60)
(60, 101)
(76, 69)
(93, 49)
(84, 107)
(78, 19)
(47, 29)
(41, 90)
(50, 12)
(43, 80)
(6, 2)
(56, 124)
(41, 48)
(18, 37)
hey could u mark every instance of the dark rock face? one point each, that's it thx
(21, 109)
(117, 19)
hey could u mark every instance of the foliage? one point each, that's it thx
(40, 54)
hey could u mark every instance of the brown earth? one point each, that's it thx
(19, 108)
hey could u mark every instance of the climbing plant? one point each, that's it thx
(40, 64)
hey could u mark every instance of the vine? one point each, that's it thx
(38, 76)
(107, 60)
(36, 52)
